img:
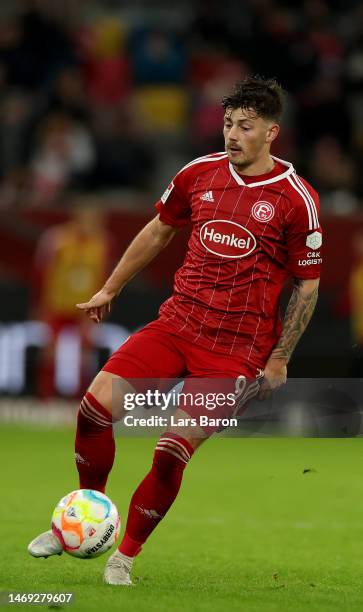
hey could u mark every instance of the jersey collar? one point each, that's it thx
(238, 178)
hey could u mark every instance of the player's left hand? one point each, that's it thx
(98, 306)
(275, 377)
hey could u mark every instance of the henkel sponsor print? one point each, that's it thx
(227, 239)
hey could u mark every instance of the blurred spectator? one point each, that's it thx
(285, 49)
(331, 167)
(211, 26)
(106, 66)
(33, 48)
(71, 263)
(69, 95)
(157, 58)
(64, 157)
(125, 155)
(16, 108)
(324, 111)
(334, 175)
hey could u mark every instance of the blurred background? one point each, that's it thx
(101, 103)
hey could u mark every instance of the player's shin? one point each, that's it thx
(156, 493)
(94, 444)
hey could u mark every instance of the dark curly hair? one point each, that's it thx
(264, 96)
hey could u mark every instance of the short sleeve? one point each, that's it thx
(174, 205)
(304, 233)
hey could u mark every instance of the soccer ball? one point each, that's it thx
(86, 523)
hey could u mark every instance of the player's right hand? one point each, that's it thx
(98, 306)
(275, 376)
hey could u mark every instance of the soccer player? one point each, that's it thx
(255, 223)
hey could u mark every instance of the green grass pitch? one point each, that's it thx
(249, 532)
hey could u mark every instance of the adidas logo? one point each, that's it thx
(152, 514)
(79, 459)
(207, 196)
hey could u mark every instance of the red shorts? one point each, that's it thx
(156, 352)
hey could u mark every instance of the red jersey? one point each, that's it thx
(249, 234)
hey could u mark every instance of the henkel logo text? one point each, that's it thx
(227, 238)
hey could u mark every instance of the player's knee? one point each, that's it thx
(92, 417)
(109, 391)
(101, 390)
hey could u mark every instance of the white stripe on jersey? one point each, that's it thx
(313, 223)
(313, 207)
(204, 159)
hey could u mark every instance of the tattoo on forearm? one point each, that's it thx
(298, 314)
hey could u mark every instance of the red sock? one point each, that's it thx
(156, 493)
(95, 444)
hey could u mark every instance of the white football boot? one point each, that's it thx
(45, 545)
(117, 570)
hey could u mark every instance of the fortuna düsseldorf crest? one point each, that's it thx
(263, 211)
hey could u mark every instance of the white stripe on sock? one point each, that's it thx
(177, 443)
(174, 448)
(95, 411)
(171, 452)
(92, 416)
